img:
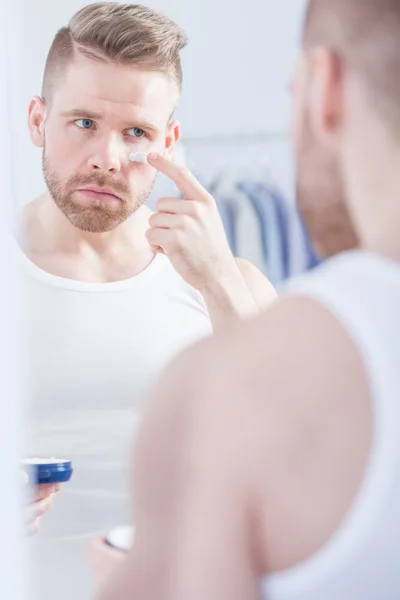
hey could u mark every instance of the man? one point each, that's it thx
(268, 464)
(113, 292)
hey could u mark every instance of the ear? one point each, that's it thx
(172, 138)
(36, 116)
(326, 93)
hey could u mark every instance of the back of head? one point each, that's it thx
(127, 34)
(365, 35)
(346, 124)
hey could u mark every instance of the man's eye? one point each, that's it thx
(84, 123)
(137, 132)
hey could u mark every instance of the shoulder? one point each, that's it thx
(296, 334)
(267, 403)
(27, 228)
(262, 289)
(295, 346)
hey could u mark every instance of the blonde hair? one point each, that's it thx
(127, 34)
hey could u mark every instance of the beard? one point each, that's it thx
(98, 217)
(321, 198)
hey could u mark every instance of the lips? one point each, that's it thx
(102, 194)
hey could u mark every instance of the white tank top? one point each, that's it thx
(362, 559)
(93, 351)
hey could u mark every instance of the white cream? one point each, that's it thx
(43, 461)
(139, 157)
(121, 538)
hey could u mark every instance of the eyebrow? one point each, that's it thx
(83, 112)
(89, 114)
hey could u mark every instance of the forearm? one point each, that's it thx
(229, 298)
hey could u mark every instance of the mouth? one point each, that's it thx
(99, 194)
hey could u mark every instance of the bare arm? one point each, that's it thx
(243, 294)
(259, 285)
(191, 234)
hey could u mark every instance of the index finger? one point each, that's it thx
(184, 180)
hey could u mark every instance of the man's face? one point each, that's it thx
(99, 114)
(321, 195)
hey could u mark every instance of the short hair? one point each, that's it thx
(127, 34)
(365, 34)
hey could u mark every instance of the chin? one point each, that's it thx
(94, 224)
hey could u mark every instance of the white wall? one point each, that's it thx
(237, 67)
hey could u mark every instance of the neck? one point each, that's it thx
(44, 226)
(371, 165)
(385, 240)
(379, 229)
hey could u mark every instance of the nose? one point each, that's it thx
(106, 155)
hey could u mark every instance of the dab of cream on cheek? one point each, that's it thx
(138, 157)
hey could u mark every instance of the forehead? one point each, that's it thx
(115, 90)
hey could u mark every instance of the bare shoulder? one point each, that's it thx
(296, 334)
(295, 354)
(253, 444)
(261, 288)
(26, 222)
(281, 406)
(295, 345)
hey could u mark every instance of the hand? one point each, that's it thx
(34, 509)
(190, 231)
(103, 559)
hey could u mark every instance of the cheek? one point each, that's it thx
(58, 164)
(141, 175)
(54, 146)
(63, 141)
(62, 151)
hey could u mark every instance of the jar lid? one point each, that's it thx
(47, 470)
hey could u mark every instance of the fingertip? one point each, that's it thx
(152, 156)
